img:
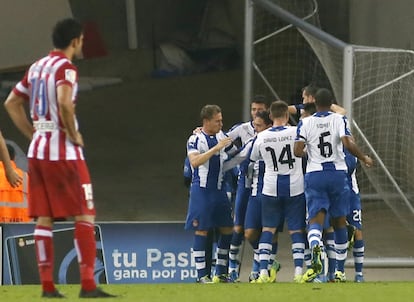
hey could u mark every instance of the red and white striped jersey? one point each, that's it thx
(39, 87)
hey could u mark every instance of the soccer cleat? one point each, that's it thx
(54, 294)
(340, 276)
(309, 275)
(96, 293)
(222, 279)
(320, 279)
(359, 278)
(253, 276)
(205, 280)
(234, 276)
(297, 279)
(262, 279)
(351, 236)
(316, 260)
(273, 271)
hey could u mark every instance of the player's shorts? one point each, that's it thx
(208, 208)
(254, 213)
(240, 205)
(59, 189)
(276, 209)
(355, 215)
(327, 190)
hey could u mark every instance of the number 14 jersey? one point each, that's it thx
(283, 175)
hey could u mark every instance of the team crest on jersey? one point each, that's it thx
(89, 204)
(195, 223)
(70, 75)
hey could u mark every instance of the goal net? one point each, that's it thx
(375, 85)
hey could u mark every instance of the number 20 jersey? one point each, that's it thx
(322, 134)
(283, 176)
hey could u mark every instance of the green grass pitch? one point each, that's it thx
(237, 292)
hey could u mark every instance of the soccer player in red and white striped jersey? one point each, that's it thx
(59, 180)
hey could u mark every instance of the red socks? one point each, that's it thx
(86, 249)
(45, 256)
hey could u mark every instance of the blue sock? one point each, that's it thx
(223, 246)
(234, 254)
(265, 248)
(341, 244)
(359, 253)
(298, 248)
(199, 252)
(331, 254)
(314, 235)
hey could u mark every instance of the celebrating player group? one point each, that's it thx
(302, 176)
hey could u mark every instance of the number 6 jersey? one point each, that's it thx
(283, 175)
(322, 134)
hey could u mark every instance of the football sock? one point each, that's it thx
(358, 253)
(331, 253)
(85, 245)
(199, 252)
(341, 245)
(223, 246)
(265, 248)
(45, 256)
(298, 248)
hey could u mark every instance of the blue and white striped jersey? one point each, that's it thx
(322, 134)
(257, 178)
(210, 174)
(283, 174)
(351, 162)
(244, 131)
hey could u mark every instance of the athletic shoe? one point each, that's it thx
(309, 275)
(351, 236)
(262, 279)
(253, 276)
(205, 280)
(297, 279)
(340, 276)
(320, 279)
(273, 271)
(316, 260)
(359, 278)
(96, 293)
(224, 278)
(54, 294)
(234, 276)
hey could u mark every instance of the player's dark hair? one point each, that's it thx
(208, 111)
(309, 108)
(323, 98)
(260, 99)
(279, 109)
(311, 89)
(12, 153)
(65, 31)
(264, 115)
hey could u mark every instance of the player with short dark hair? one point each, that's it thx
(308, 97)
(59, 180)
(241, 133)
(325, 135)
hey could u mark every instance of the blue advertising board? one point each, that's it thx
(148, 252)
